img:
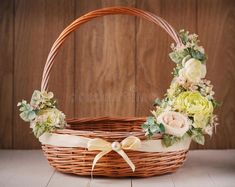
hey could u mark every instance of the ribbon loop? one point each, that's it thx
(105, 147)
(131, 142)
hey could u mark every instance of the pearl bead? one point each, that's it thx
(116, 146)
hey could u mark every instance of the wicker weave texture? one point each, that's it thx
(79, 160)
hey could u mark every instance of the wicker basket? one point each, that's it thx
(79, 160)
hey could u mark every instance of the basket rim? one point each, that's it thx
(104, 118)
(100, 133)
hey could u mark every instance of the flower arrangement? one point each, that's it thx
(186, 110)
(188, 106)
(42, 113)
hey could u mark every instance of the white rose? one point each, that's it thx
(175, 123)
(193, 70)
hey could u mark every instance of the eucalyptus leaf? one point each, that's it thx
(145, 126)
(31, 115)
(154, 128)
(150, 120)
(22, 109)
(24, 116)
(158, 102)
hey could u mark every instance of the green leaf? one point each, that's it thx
(41, 128)
(169, 140)
(38, 130)
(184, 35)
(216, 103)
(162, 128)
(197, 135)
(198, 55)
(200, 139)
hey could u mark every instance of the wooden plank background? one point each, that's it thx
(116, 65)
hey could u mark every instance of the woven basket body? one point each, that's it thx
(79, 160)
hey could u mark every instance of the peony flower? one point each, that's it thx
(175, 123)
(193, 71)
(193, 103)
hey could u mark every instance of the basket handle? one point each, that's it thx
(98, 13)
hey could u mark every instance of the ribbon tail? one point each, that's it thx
(126, 158)
(97, 157)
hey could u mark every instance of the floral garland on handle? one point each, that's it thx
(188, 106)
(42, 113)
(186, 110)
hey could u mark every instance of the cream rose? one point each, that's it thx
(175, 123)
(193, 71)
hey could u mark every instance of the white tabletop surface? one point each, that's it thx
(203, 168)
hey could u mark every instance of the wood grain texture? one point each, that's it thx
(24, 169)
(6, 72)
(154, 67)
(61, 180)
(216, 28)
(159, 181)
(152, 47)
(115, 65)
(37, 25)
(105, 63)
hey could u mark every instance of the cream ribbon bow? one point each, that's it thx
(105, 147)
